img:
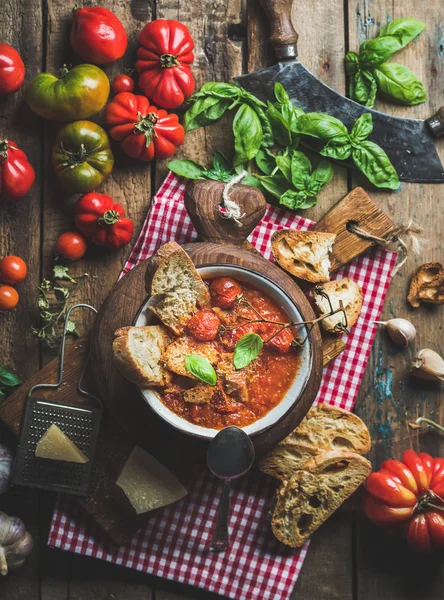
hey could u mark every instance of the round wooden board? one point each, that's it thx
(124, 400)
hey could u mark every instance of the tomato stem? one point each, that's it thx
(429, 422)
(146, 125)
(75, 158)
(3, 150)
(110, 217)
(63, 71)
(169, 60)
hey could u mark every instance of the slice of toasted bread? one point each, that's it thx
(177, 289)
(324, 428)
(427, 285)
(153, 263)
(201, 394)
(346, 290)
(304, 254)
(235, 383)
(138, 350)
(314, 493)
(174, 356)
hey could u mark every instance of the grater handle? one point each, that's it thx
(62, 362)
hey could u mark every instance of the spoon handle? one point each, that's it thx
(220, 541)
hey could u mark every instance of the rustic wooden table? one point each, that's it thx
(348, 557)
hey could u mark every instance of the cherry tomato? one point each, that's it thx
(224, 292)
(122, 83)
(204, 325)
(12, 269)
(280, 343)
(71, 245)
(8, 297)
(12, 70)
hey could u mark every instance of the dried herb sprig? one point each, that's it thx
(53, 304)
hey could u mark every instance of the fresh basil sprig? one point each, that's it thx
(369, 71)
(247, 349)
(200, 367)
(221, 170)
(8, 381)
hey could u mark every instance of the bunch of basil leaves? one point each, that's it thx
(369, 72)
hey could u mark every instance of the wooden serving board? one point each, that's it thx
(107, 504)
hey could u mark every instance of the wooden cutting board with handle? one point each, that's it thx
(133, 421)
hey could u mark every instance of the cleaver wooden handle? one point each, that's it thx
(436, 123)
(283, 36)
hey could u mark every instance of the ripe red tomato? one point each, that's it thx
(143, 131)
(204, 325)
(12, 70)
(280, 343)
(16, 173)
(224, 291)
(97, 35)
(8, 297)
(12, 269)
(408, 497)
(71, 245)
(164, 62)
(122, 83)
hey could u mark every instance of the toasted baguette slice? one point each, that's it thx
(174, 356)
(201, 394)
(153, 263)
(304, 254)
(177, 289)
(324, 428)
(314, 493)
(346, 290)
(138, 350)
(427, 285)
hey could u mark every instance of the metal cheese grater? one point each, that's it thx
(80, 423)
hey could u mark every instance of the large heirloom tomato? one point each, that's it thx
(16, 173)
(82, 156)
(143, 131)
(12, 70)
(76, 93)
(164, 62)
(97, 35)
(408, 496)
(102, 221)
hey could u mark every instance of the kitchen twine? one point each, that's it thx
(412, 231)
(232, 208)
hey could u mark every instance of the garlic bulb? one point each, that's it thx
(428, 365)
(15, 543)
(401, 331)
(5, 468)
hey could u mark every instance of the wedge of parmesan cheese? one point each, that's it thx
(147, 483)
(57, 446)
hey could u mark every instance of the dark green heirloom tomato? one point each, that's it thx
(82, 156)
(76, 93)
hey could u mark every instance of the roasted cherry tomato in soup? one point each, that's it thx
(12, 269)
(204, 325)
(224, 292)
(12, 70)
(71, 245)
(122, 83)
(8, 297)
(281, 343)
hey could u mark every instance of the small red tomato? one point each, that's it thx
(204, 326)
(12, 269)
(97, 35)
(71, 245)
(12, 70)
(16, 173)
(122, 83)
(224, 292)
(8, 297)
(280, 343)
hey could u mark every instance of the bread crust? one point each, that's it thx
(427, 285)
(352, 301)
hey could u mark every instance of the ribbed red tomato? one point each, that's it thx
(204, 326)
(408, 497)
(12, 70)
(144, 131)
(97, 35)
(16, 172)
(164, 62)
(102, 221)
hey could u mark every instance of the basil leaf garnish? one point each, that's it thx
(248, 134)
(351, 63)
(201, 368)
(322, 175)
(362, 128)
(247, 349)
(403, 29)
(8, 378)
(281, 93)
(276, 185)
(376, 51)
(336, 151)
(400, 83)
(363, 88)
(283, 163)
(375, 164)
(187, 168)
(281, 131)
(300, 170)
(205, 110)
(265, 161)
(322, 126)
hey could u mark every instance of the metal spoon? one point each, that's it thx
(230, 455)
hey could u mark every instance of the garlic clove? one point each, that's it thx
(400, 331)
(428, 365)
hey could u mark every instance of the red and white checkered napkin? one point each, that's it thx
(175, 544)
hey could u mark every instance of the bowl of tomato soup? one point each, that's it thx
(258, 396)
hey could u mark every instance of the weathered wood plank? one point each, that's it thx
(388, 398)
